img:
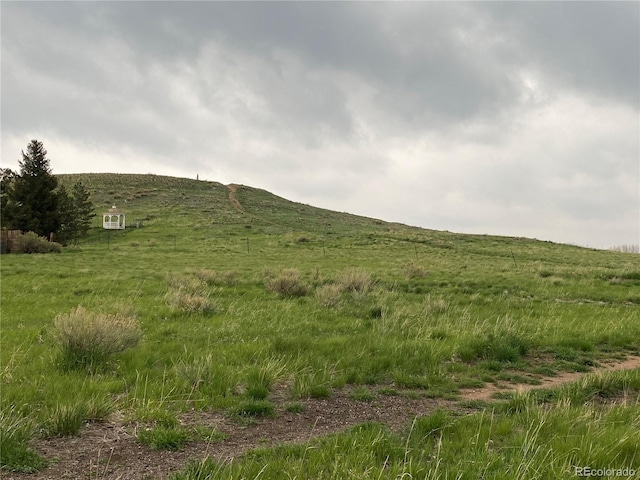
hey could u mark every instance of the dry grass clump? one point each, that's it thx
(355, 280)
(190, 293)
(329, 295)
(434, 305)
(212, 277)
(184, 299)
(413, 270)
(288, 283)
(87, 339)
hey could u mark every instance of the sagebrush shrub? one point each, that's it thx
(355, 280)
(190, 294)
(86, 339)
(189, 301)
(329, 295)
(288, 283)
(31, 243)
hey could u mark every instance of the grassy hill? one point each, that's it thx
(233, 310)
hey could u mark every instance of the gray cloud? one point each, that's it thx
(470, 115)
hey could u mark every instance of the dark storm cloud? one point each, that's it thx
(472, 112)
(593, 46)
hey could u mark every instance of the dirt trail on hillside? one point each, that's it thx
(110, 451)
(231, 195)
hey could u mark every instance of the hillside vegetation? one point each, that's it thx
(231, 301)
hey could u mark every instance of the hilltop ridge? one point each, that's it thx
(181, 203)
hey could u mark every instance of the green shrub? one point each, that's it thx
(87, 339)
(288, 283)
(32, 243)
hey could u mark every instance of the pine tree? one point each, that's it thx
(33, 201)
(6, 178)
(75, 212)
(83, 209)
(66, 215)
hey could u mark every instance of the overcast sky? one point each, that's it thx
(508, 118)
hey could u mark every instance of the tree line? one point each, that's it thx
(34, 201)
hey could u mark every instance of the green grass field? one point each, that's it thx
(249, 307)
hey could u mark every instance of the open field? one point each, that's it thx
(253, 321)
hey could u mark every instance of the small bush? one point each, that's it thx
(288, 283)
(86, 339)
(355, 280)
(32, 243)
(329, 295)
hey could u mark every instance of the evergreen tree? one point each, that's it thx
(83, 208)
(6, 178)
(67, 217)
(33, 201)
(75, 213)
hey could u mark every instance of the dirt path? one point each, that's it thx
(487, 392)
(231, 195)
(109, 451)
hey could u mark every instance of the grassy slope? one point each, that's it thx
(478, 308)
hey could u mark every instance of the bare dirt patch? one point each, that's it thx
(110, 451)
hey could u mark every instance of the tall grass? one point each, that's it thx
(533, 441)
(87, 339)
(473, 318)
